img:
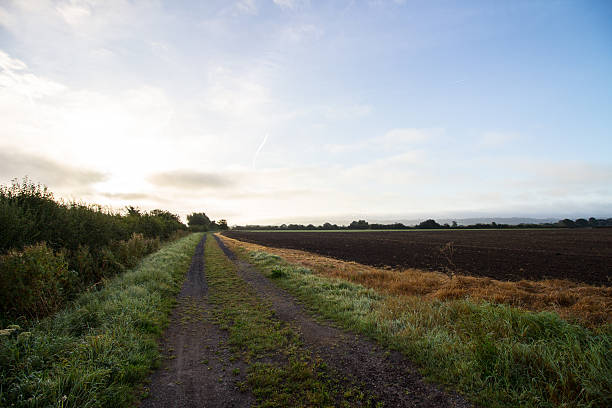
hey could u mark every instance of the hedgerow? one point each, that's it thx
(51, 250)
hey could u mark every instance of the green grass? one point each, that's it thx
(281, 372)
(497, 355)
(96, 351)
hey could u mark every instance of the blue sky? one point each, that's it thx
(269, 111)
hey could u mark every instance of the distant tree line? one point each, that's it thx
(429, 224)
(199, 222)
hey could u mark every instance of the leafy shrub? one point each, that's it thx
(30, 214)
(94, 242)
(35, 281)
(129, 252)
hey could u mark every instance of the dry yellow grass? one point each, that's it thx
(588, 305)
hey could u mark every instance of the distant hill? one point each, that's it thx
(509, 221)
(474, 220)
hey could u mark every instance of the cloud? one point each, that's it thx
(56, 120)
(132, 196)
(291, 4)
(400, 136)
(15, 164)
(394, 139)
(236, 95)
(496, 138)
(65, 26)
(74, 13)
(300, 32)
(397, 170)
(246, 7)
(188, 179)
(569, 175)
(15, 78)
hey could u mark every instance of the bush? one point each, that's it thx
(35, 281)
(45, 241)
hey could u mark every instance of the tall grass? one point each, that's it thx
(498, 355)
(94, 352)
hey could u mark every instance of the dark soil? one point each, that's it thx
(196, 371)
(581, 255)
(388, 376)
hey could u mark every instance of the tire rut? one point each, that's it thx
(196, 369)
(389, 376)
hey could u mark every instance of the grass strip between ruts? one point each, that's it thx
(96, 351)
(497, 355)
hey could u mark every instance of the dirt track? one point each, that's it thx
(578, 255)
(196, 368)
(390, 377)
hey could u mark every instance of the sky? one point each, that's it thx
(270, 111)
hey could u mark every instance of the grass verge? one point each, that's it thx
(282, 373)
(498, 355)
(586, 305)
(94, 352)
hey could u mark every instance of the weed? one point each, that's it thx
(278, 273)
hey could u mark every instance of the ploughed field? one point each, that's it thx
(581, 255)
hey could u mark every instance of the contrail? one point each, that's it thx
(259, 149)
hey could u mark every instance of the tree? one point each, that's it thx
(222, 224)
(133, 211)
(198, 222)
(454, 224)
(429, 224)
(361, 224)
(166, 215)
(581, 223)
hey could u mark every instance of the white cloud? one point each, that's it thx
(55, 120)
(246, 7)
(394, 139)
(15, 164)
(497, 139)
(16, 81)
(291, 4)
(301, 32)
(401, 136)
(236, 95)
(74, 13)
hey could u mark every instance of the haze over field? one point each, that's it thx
(289, 110)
